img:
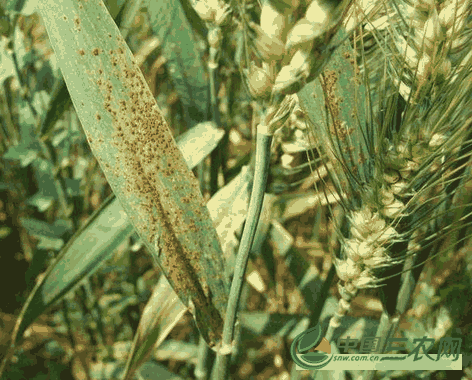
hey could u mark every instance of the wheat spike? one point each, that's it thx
(412, 143)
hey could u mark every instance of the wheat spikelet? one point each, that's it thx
(292, 51)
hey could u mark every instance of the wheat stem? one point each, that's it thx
(202, 357)
(214, 39)
(264, 141)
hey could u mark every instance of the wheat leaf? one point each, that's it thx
(134, 146)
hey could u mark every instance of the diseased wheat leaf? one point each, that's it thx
(135, 148)
(335, 105)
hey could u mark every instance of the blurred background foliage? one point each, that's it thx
(50, 184)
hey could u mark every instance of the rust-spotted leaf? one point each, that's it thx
(135, 148)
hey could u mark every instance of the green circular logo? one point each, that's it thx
(306, 341)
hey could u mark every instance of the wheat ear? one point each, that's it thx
(395, 211)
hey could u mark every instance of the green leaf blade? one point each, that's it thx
(138, 155)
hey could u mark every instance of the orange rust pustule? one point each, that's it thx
(77, 23)
(149, 162)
